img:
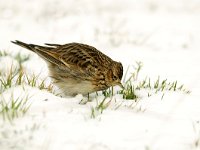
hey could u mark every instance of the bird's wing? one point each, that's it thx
(83, 56)
(42, 51)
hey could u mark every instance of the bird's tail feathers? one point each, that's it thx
(22, 44)
(31, 47)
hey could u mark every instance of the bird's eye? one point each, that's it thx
(114, 77)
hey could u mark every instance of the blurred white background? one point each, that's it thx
(156, 24)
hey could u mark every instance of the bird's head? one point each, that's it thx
(115, 74)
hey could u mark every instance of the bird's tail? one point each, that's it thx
(42, 51)
(31, 47)
(25, 45)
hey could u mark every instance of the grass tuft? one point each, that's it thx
(101, 105)
(14, 78)
(133, 85)
(13, 108)
(3, 53)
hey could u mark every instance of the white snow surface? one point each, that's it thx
(164, 35)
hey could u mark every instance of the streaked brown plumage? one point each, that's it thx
(78, 68)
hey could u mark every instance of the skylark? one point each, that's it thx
(78, 68)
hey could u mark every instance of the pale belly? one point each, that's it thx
(72, 87)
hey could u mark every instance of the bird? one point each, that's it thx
(77, 68)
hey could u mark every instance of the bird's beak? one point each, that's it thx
(120, 84)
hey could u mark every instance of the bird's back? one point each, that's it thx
(81, 55)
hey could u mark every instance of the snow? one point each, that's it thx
(163, 35)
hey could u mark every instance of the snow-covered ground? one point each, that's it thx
(163, 35)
